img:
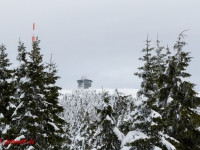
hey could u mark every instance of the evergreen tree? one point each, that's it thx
(159, 64)
(107, 135)
(36, 117)
(120, 104)
(163, 91)
(53, 110)
(147, 126)
(148, 84)
(123, 105)
(7, 101)
(182, 119)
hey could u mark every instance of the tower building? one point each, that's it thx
(84, 82)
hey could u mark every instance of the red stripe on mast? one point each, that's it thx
(33, 26)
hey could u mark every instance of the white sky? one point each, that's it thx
(102, 39)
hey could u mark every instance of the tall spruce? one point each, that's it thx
(54, 124)
(148, 84)
(159, 60)
(182, 118)
(36, 117)
(147, 126)
(7, 101)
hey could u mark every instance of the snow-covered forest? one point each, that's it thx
(164, 115)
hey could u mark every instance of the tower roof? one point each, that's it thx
(84, 77)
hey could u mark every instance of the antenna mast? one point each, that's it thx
(33, 37)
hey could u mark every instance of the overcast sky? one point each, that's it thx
(101, 39)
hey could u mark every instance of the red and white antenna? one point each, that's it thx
(33, 37)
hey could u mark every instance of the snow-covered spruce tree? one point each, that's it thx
(119, 103)
(7, 101)
(163, 89)
(55, 125)
(182, 119)
(159, 61)
(107, 135)
(19, 75)
(147, 127)
(122, 105)
(148, 84)
(36, 117)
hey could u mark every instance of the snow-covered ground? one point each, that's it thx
(132, 92)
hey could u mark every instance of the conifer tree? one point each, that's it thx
(7, 101)
(53, 110)
(182, 119)
(36, 117)
(147, 129)
(123, 105)
(19, 75)
(120, 104)
(107, 135)
(147, 85)
(163, 91)
(159, 63)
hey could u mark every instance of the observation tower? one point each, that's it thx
(84, 82)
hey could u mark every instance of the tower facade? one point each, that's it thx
(84, 83)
